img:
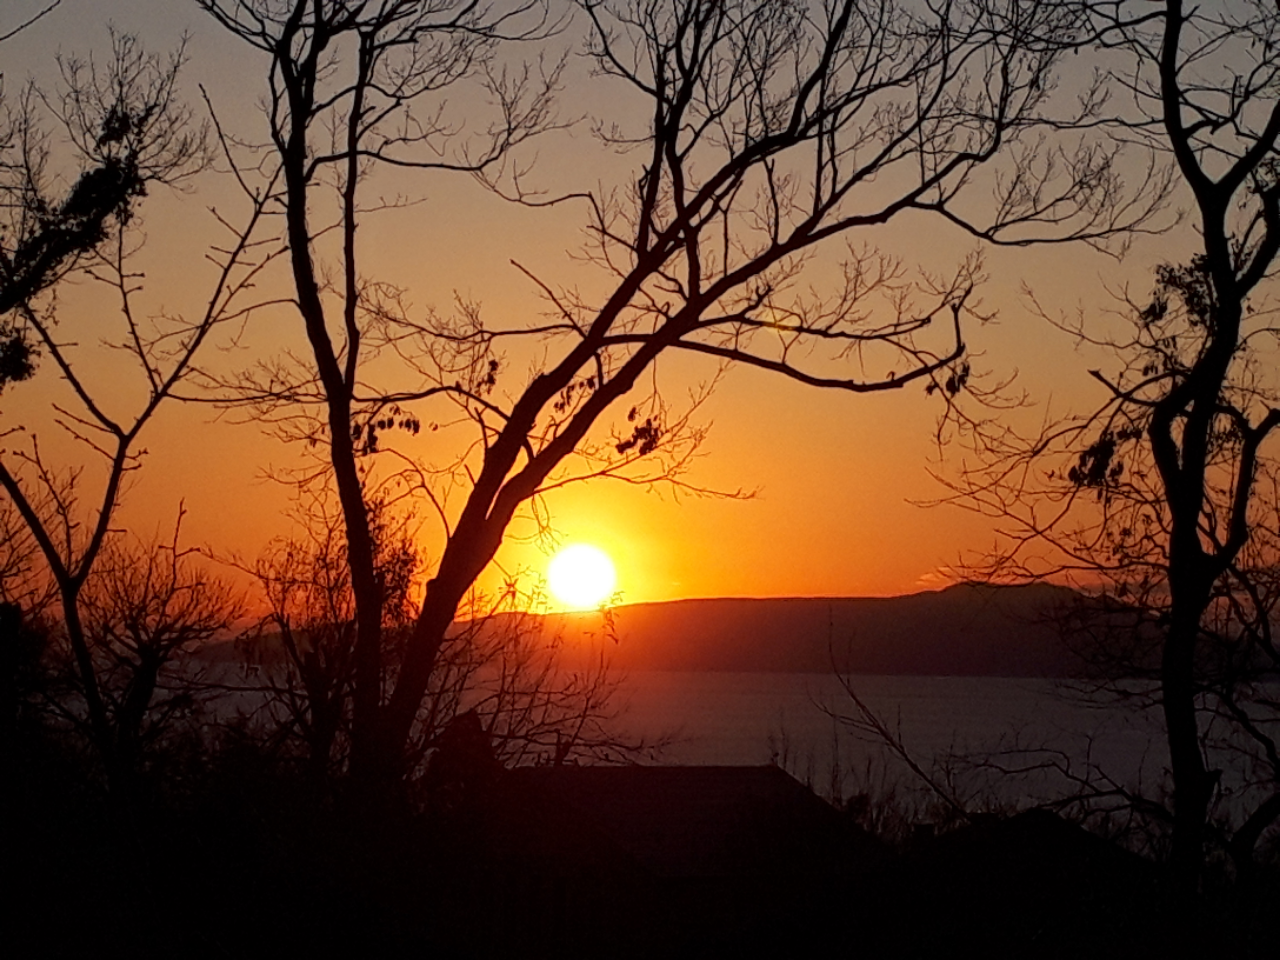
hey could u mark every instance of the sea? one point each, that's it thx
(989, 742)
(995, 743)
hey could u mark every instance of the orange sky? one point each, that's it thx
(835, 477)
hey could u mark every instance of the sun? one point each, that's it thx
(581, 576)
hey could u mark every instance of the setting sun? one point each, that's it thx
(581, 576)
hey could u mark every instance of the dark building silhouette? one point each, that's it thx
(691, 861)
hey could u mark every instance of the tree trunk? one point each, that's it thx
(1192, 785)
(99, 723)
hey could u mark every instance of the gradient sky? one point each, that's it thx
(835, 480)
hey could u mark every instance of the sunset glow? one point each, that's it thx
(581, 576)
(864, 453)
(466, 467)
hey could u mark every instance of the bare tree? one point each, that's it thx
(128, 131)
(537, 702)
(765, 132)
(132, 132)
(501, 667)
(1165, 493)
(307, 583)
(322, 122)
(146, 607)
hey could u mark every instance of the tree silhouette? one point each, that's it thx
(128, 131)
(500, 669)
(766, 132)
(1166, 493)
(126, 121)
(146, 606)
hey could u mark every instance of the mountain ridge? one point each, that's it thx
(961, 630)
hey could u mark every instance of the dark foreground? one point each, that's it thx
(570, 862)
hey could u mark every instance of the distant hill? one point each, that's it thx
(964, 630)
